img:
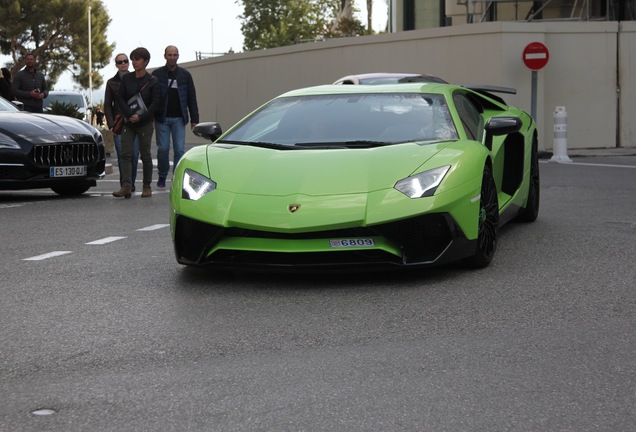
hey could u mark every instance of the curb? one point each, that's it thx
(593, 152)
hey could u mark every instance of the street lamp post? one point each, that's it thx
(90, 65)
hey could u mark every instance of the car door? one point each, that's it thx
(474, 116)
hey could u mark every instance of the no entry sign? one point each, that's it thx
(536, 56)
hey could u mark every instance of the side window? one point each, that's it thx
(471, 118)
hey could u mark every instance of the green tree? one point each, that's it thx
(275, 23)
(345, 24)
(56, 31)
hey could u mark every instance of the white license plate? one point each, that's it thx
(351, 243)
(69, 171)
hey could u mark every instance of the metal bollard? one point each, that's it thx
(560, 143)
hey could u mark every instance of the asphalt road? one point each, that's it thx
(101, 329)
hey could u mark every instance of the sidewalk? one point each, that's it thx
(617, 151)
(600, 152)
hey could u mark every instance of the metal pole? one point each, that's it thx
(533, 96)
(90, 65)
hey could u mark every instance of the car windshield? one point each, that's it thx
(347, 120)
(380, 80)
(5, 105)
(65, 98)
(399, 79)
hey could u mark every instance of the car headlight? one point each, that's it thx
(195, 185)
(99, 138)
(6, 142)
(423, 184)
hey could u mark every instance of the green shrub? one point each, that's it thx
(65, 109)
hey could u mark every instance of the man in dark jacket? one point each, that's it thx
(29, 86)
(178, 97)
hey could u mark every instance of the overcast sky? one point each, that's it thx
(191, 25)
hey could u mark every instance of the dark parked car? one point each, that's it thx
(48, 151)
(75, 99)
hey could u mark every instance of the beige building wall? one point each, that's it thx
(627, 84)
(585, 60)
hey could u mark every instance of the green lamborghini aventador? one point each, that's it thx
(343, 177)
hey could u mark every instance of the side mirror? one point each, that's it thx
(497, 126)
(208, 130)
(18, 104)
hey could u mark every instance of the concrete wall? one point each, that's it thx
(585, 60)
(627, 81)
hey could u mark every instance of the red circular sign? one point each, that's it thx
(536, 55)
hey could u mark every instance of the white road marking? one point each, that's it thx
(105, 240)
(47, 255)
(154, 227)
(95, 242)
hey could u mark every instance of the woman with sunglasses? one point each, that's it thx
(111, 109)
(138, 98)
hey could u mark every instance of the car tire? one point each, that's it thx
(71, 189)
(531, 211)
(488, 223)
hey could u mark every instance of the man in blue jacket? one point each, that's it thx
(179, 105)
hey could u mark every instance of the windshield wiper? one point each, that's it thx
(341, 145)
(257, 144)
(319, 145)
(364, 144)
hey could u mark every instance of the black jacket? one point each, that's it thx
(25, 81)
(130, 86)
(187, 94)
(5, 89)
(111, 108)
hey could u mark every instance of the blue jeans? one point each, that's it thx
(171, 127)
(33, 109)
(135, 158)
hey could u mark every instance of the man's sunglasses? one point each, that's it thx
(121, 61)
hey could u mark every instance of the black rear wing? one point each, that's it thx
(488, 90)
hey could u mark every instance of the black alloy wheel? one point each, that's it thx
(488, 223)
